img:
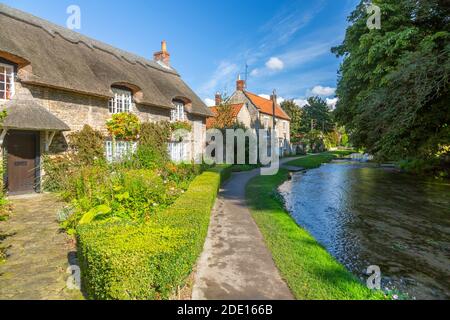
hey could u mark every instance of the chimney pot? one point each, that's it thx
(163, 55)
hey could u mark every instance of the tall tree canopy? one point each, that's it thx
(295, 113)
(394, 82)
(317, 116)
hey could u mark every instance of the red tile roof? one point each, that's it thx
(235, 109)
(266, 106)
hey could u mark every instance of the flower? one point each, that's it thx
(395, 297)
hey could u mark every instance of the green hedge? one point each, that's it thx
(124, 261)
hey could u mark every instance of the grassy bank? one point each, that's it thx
(314, 161)
(310, 271)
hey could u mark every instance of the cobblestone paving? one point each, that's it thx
(38, 252)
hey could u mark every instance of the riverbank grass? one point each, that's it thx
(315, 161)
(309, 270)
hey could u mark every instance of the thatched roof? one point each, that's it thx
(64, 59)
(29, 115)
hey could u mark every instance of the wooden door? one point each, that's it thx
(22, 151)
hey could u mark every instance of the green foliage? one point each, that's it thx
(296, 115)
(124, 126)
(97, 194)
(316, 116)
(309, 270)
(225, 116)
(394, 86)
(148, 260)
(315, 141)
(87, 146)
(152, 151)
(181, 125)
(3, 115)
(132, 190)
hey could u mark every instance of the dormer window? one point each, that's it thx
(122, 101)
(6, 82)
(178, 113)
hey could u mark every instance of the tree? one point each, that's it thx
(295, 113)
(225, 117)
(316, 116)
(394, 82)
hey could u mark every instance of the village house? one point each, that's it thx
(256, 112)
(54, 81)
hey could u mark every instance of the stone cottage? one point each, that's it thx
(54, 81)
(256, 112)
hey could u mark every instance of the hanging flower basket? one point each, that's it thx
(124, 126)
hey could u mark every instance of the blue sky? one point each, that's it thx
(286, 43)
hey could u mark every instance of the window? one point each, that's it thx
(6, 82)
(121, 150)
(266, 122)
(178, 113)
(284, 125)
(178, 151)
(122, 101)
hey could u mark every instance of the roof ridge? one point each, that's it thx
(257, 95)
(78, 38)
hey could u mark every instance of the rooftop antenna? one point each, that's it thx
(246, 74)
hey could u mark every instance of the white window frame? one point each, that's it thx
(178, 151)
(8, 73)
(121, 150)
(122, 101)
(177, 114)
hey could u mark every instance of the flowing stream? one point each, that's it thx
(365, 215)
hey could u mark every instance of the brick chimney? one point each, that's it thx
(218, 99)
(162, 55)
(240, 84)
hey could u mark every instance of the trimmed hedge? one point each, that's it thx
(124, 261)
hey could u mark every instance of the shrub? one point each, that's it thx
(152, 151)
(149, 260)
(87, 146)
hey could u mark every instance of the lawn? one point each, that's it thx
(309, 270)
(314, 161)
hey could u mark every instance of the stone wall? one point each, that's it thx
(77, 110)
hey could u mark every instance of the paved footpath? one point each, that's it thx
(235, 263)
(38, 253)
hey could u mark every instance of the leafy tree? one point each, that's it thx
(394, 82)
(225, 117)
(316, 116)
(296, 114)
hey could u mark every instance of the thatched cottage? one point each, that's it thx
(53, 81)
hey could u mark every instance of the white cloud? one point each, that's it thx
(224, 74)
(210, 102)
(287, 22)
(254, 73)
(301, 102)
(323, 91)
(275, 64)
(332, 102)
